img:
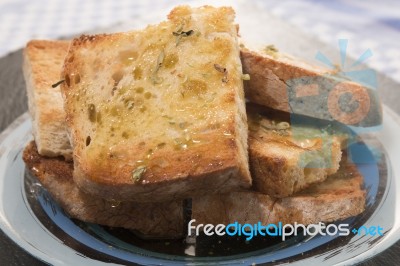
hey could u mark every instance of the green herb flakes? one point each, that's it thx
(138, 173)
(271, 50)
(155, 78)
(245, 77)
(179, 34)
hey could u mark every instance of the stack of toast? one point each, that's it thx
(128, 125)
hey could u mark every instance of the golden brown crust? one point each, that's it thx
(47, 57)
(241, 207)
(280, 160)
(272, 77)
(268, 76)
(42, 63)
(153, 220)
(339, 197)
(189, 132)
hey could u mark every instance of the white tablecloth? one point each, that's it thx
(366, 24)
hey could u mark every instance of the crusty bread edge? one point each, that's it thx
(32, 91)
(276, 96)
(55, 174)
(274, 175)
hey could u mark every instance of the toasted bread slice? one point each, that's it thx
(43, 61)
(288, 84)
(164, 219)
(285, 157)
(159, 111)
(339, 197)
(267, 165)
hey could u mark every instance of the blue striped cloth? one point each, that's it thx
(366, 24)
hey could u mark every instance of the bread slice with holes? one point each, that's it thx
(160, 220)
(159, 114)
(287, 154)
(43, 61)
(277, 172)
(339, 197)
(289, 84)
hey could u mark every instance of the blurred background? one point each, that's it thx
(367, 24)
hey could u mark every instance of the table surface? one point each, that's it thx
(24, 20)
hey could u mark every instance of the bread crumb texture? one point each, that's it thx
(159, 104)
